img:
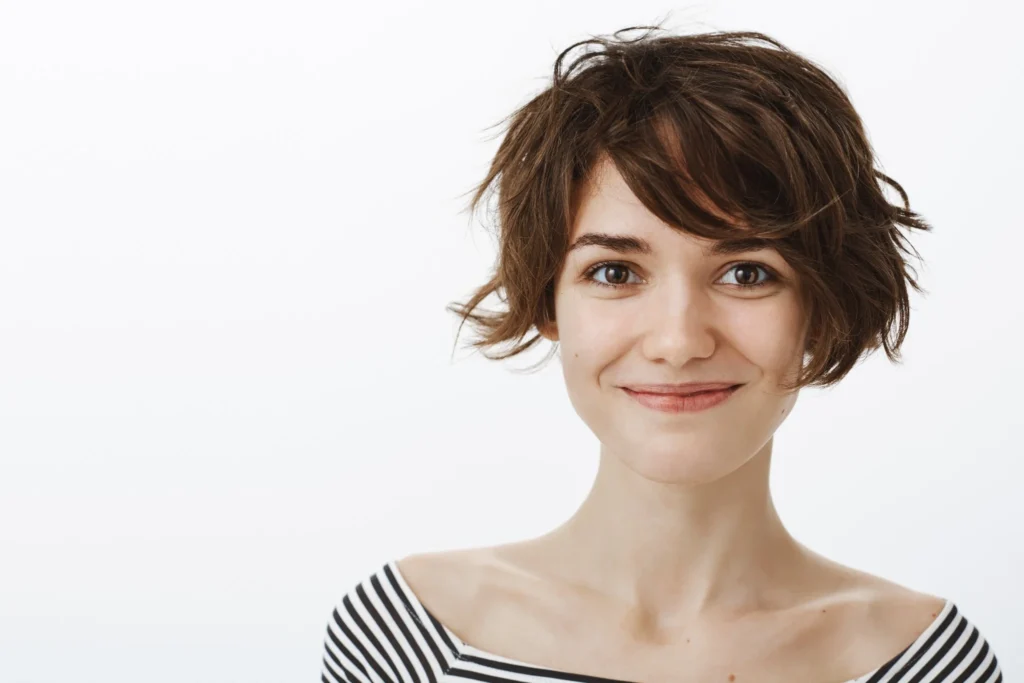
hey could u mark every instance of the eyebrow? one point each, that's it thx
(630, 244)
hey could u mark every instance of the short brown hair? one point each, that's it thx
(768, 137)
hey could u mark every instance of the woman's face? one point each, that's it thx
(675, 314)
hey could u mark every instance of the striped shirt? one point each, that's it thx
(381, 633)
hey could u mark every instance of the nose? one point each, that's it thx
(680, 326)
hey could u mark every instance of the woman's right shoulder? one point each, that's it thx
(379, 630)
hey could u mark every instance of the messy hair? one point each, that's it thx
(729, 136)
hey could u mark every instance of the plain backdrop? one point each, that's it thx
(229, 388)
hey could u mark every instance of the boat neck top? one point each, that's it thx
(380, 632)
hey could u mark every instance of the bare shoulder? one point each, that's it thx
(899, 615)
(447, 583)
(464, 572)
(448, 571)
(895, 611)
(876, 620)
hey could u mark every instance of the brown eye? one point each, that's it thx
(616, 274)
(746, 275)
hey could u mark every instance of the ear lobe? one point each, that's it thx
(549, 331)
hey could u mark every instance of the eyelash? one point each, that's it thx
(589, 274)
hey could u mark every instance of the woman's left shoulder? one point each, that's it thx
(942, 643)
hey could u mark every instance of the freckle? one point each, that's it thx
(823, 611)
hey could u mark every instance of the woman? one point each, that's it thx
(697, 222)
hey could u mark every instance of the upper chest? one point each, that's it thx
(598, 642)
(530, 623)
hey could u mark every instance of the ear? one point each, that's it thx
(549, 330)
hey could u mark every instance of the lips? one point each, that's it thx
(682, 403)
(680, 390)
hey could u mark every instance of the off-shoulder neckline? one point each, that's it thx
(480, 656)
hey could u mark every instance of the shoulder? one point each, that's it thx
(449, 584)
(895, 617)
(895, 631)
(378, 629)
(374, 633)
(941, 643)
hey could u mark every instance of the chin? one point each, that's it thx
(683, 466)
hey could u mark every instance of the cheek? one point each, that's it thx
(768, 333)
(693, 450)
(588, 341)
(590, 329)
(584, 356)
(771, 338)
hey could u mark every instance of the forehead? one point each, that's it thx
(606, 190)
(610, 215)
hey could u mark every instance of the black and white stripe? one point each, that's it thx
(381, 633)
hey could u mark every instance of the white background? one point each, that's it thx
(228, 231)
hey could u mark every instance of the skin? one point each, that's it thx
(680, 520)
(677, 560)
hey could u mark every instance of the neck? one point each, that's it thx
(679, 552)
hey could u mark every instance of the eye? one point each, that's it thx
(619, 270)
(748, 270)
